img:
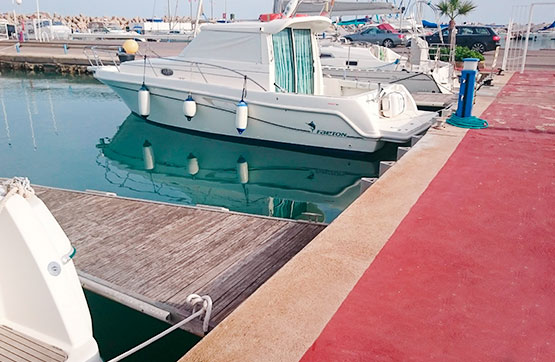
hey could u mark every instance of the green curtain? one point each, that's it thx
(304, 61)
(283, 56)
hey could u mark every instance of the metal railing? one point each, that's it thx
(100, 56)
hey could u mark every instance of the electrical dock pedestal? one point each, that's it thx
(468, 85)
(448, 257)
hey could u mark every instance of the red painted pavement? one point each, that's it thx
(469, 275)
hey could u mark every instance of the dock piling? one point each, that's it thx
(401, 151)
(365, 183)
(385, 166)
(415, 139)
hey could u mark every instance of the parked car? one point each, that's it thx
(479, 38)
(384, 37)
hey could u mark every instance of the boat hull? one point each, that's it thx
(266, 122)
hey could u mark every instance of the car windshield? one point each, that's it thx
(371, 31)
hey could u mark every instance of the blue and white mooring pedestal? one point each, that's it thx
(463, 117)
(468, 83)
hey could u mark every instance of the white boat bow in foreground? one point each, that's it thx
(43, 311)
(262, 81)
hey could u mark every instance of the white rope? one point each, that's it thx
(205, 303)
(16, 185)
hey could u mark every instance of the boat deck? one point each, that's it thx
(434, 101)
(16, 347)
(151, 256)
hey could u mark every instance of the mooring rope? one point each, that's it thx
(16, 185)
(205, 303)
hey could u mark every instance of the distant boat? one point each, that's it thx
(374, 63)
(263, 82)
(429, 24)
(548, 27)
(46, 30)
(5, 30)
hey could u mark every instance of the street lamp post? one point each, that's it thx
(14, 3)
(38, 28)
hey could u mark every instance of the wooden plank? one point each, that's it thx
(160, 253)
(17, 346)
(253, 274)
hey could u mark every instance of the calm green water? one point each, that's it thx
(117, 329)
(75, 133)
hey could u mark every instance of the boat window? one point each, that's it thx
(283, 58)
(304, 61)
(294, 61)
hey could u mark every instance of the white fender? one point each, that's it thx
(148, 156)
(192, 165)
(242, 170)
(189, 107)
(144, 101)
(241, 116)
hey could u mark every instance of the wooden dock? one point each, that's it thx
(151, 256)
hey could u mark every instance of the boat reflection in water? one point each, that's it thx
(256, 179)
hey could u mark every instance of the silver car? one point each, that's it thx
(387, 38)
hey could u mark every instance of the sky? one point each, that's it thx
(488, 11)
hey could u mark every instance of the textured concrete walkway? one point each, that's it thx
(469, 275)
(449, 256)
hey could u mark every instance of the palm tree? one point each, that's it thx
(452, 9)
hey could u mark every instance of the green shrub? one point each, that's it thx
(460, 54)
(464, 52)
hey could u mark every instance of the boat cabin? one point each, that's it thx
(4, 30)
(281, 55)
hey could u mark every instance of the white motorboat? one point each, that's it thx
(263, 81)
(4, 33)
(374, 63)
(46, 30)
(43, 311)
